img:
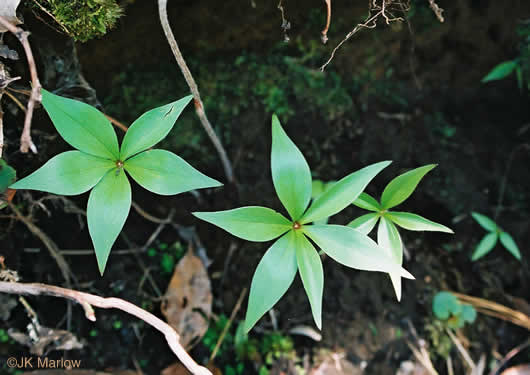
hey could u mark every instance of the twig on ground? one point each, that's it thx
(228, 324)
(117, 123)
(49, 243)
(463, 352)
(512, 353)
(384, 9)
(26, 142)
(199, 106)
(437, 10)
(286, 25)
(87, 301)
(328, 22)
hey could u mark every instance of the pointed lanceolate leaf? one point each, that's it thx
(7, 176)
(415, 222)
(484, 221)
(389, 239)
(251, 223)
(165, 173)
(290, 173)
(510, 245)
(401, 187)
(151, 127)
(312, 274)
(342, 193)
(367, 202)
(273, 276)
(500, 71)
(69, 173)
(353, 249)
(82, 126)
(485, 245)
(108, 207)
(365, 223)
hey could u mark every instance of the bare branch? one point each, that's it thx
(199, 106)
(328, 22)
(87, 301)
(26, 142)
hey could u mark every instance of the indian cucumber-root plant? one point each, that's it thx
(395, 193)
(293, 252)
(100, 163)
(495, 233)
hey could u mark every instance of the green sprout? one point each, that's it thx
(100, 163)
(395, 193)
(449, 309)
(494, 234)
(293, 252)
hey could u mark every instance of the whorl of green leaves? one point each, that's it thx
(293, 252)
(493, 235)
(101, 164)
(388, 237)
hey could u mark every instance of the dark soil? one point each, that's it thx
(471, 130)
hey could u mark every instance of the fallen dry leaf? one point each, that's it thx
(8, 10)
(188, 300)
(42, 340)
(179, 369)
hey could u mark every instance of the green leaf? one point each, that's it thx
(353, 249)
(165, 173)
(290, 173)
(108, 207)
(317, 188)
(500, 71)
(7, 176)
(367, 202)
(484, 221)
(401, 187)
(82, 126)
(365, 223)
(510, 245)
(415, 222)
(342, 193)
(312, 274)
(485, 246)
(273, 276)
(151, 127)
(468, 314)
(389, 239)
(445, 304)
(69, 173)
(251, 223)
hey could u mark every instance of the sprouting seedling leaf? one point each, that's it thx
(447, 307)
(489, 241)
(395, 193)
(98, 163)
(500, 71)
(7, 176)
(293, 251)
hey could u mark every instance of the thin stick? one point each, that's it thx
(512, 353)
(117, 123)
(227, 325)
(1, 125)
(26, 142)
(463, 352)
(199, 106)
(87, 300)
(328, 22)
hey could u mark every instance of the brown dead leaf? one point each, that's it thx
(188, 300)
(8, 10)
(179, 369)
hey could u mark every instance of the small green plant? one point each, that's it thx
(449, 309)
(395, 193)
(293, 252)
(494, 234)
(101, 164)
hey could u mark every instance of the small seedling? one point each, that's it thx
(101, 164)
(293, 252)
(395, 193)
(489, 241)
(449, 309)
